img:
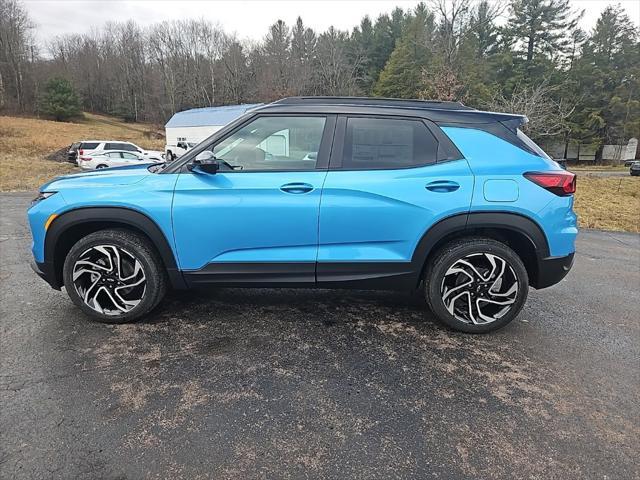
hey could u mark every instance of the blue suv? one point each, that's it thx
(326, 192)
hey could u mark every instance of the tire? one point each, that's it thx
(101, 166)
(114, 294)
(449, 270)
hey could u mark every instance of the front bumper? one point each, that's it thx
(45, 271)
(551, 270)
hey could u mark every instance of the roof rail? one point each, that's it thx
(378, 102)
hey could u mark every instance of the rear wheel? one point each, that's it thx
(115, 276)
(101, 166)
(476, 285)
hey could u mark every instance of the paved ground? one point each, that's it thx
(318, 384)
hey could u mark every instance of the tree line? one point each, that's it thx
(523, 56)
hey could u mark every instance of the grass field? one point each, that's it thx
(598, 168)
(24, 142)
(611, 203)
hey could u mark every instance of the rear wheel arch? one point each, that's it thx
(69, 227)
(520, 233)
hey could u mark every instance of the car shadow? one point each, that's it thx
(327, 307)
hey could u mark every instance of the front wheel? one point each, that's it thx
(476, 285)
(115, 276)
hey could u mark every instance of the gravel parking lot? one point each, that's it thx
(321, 384)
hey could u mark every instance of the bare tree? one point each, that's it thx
(16, 40)
(336, 71)
(441, 84)
(236, 72)
(547, 115)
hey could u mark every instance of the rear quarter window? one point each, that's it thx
(531, 144)
(89, 145)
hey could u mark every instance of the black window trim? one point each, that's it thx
(448, 152)
(322, 162)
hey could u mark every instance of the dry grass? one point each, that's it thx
(597, 168)
(24, 142)
(609, 203)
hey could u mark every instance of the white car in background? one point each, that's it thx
(171, 152)
(90, 147)
(114, 158)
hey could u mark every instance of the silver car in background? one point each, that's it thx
(114, 158)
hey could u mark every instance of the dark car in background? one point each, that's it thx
(634, 169)
(72, 154)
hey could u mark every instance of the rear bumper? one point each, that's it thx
(551, 270)
(45, 271)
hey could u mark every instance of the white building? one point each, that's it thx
(195, 125)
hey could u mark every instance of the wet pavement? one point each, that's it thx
(267, 383)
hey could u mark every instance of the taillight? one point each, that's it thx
(561, 183)
(80, 151)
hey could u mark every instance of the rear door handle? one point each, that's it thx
(442, 186)
(296, 188)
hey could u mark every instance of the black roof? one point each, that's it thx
(437, 111)
(374, 101)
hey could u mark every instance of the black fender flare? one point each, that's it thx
(112, 215)
(458, 224)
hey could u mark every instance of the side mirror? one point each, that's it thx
(205, 162)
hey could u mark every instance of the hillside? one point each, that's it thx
(25, 142)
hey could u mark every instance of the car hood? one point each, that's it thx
(127, 175)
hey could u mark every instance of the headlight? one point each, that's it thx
(41, 196)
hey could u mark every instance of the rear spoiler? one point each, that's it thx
(515, 122)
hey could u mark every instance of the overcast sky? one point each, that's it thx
(249, 19)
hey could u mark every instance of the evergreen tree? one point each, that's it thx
(606, 80)
(361, 47)
(303, 47)
(541, 27)
(484, 32)
(402, 75)
(60, 99)
(386, 33)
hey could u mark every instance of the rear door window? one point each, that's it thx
(116, 146)
(128, 147)
(387, 143)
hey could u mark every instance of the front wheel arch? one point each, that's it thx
(69, 227)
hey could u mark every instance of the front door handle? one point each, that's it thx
(296, 188)
(442, 186)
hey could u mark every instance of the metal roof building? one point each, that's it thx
(198, 123)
